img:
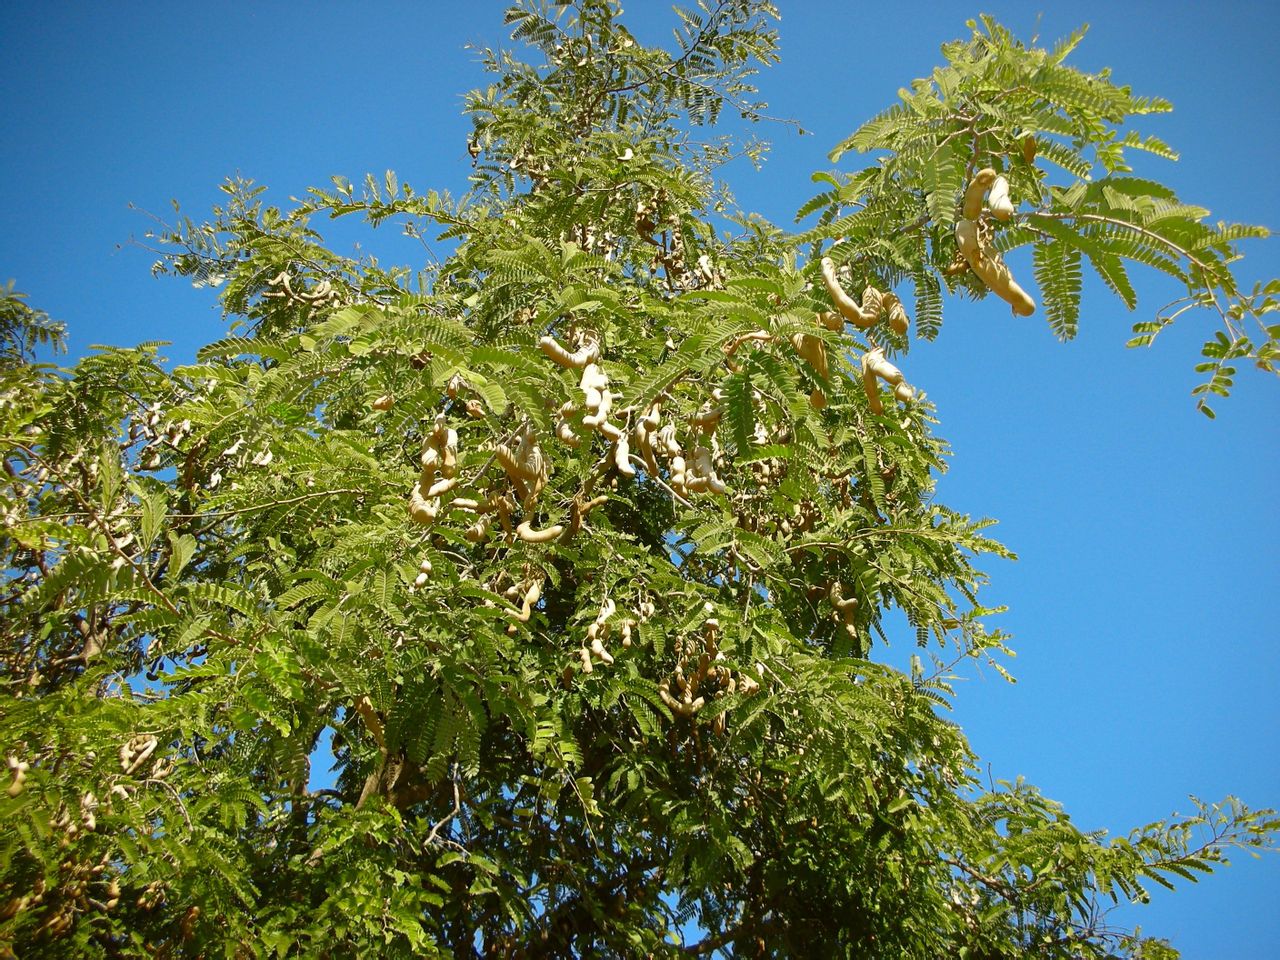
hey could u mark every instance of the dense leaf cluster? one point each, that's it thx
(680, 742)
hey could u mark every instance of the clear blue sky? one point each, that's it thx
(1148, 662)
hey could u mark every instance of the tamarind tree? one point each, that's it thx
(528, 603)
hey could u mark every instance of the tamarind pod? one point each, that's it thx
(422, 510)
(836, 597)
(873, 301)
(598, 649)
(848, 308)
(644, 439)
(18, 770)
(830, 321)
(705, 478)
(383, 402)
(672, 703)
(626, 633)
(817, 399)
(584, 355)
(651, 420)
(904, 392)
(510, 465)
(593, 381)
(967, 239)
(759, 336)
(503, 506)
(529, 535)
(898, 319)
(871, 389)
(621, 457)
(982, 180)
(465, 503)
(584, 655)
(666, 441)
(531, 596)
(449, 459)
(874, 360)
(747, 684)
(610, 431)
(600, 415)
(564, 431)
(678, 479)
(600, 412)
(1029, 148)
(420, 580)
(442, 487)
(1000, 281)
(430, 460)
(813, 350)
(707, 418)
(998, 199)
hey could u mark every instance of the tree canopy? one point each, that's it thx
(574, 547)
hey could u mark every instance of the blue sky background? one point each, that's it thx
(1142, 605)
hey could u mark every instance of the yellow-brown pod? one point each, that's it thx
(844, 303)
(978, 186)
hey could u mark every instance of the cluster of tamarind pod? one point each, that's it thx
(974, 252)
(874, 306)
(973, 240)
(526, 593)
(281, 286)
(81, 885)
(700, 674)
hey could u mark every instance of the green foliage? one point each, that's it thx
(1021, 112)
(212, 584)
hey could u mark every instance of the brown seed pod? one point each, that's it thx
(589, 352)
(384, 402)
(528, 534)
(703, 475)
(622, 457)
(679, 475)
(875, 365)
(897, 314)
(707, 418)
(967, 238)
(998, 200)
(594, 383)
(849, 309)
(423, 509)
(532, 592)
(813, 350)
(990, 267)
(830, 321)
(981, 182)
(817, 399)
(1029, 148)
(598, 631)
(646, 431)
(18, 772)
(564, 429)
